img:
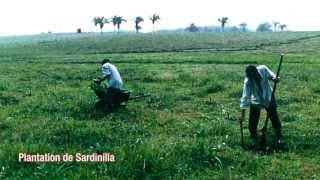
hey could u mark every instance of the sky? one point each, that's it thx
(20, 17)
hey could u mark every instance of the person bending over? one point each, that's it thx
(257, 94)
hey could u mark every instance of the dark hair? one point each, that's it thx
(251, 70)
(105, 60)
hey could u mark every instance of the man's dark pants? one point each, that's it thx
(273, 115)
(109, 96)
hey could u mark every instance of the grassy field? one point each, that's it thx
(187, 128)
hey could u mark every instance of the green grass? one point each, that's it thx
(187, 128)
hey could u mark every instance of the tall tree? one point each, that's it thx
(243, 26)
(117, 21)
(137, 21)
(282, 27)
(120, 20)
(100, 21)
(154, 18)
(114, 22)
(223, 21)
(275, 25)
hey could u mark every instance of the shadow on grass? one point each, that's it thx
(93, 111)
(302, 142)
(6, 100)
(297, 143)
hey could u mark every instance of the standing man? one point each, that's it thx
(257, 94)
(111, 95)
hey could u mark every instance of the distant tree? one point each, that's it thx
(282, 27)
(114, 22)
(120, 21)
(137, 21)
(223, 22)
(264, 27)
(275, 25)
(243, 26)
(100, 21)
(192, 28)
(117, 21)
(154, 18)
(234, 29)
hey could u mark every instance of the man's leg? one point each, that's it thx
(273, 114)
(113, 96)
(253, 122)
(100, 91)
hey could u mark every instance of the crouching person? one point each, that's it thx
(111, 94)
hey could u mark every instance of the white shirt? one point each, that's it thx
(251, 90)
(114, 80)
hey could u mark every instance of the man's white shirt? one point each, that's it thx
(114, 80)
(251, 91)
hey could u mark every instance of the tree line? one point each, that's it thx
(242, 27)
(100, 21)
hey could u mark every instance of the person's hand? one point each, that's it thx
(97, 80)
(277, 79)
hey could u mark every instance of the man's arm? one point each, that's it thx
(245, 99)
(102, 78)
(246, 95)
(244, 103)
(271, 75)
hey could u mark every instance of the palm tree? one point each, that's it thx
(282, 26)
(120, 19)
(223, 22)
(137, 21)
(243, 26)
(154, 18)
(117, 21)
(100, 21)
(275, 25)
(114, 22)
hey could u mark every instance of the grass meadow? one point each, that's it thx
(186, 129)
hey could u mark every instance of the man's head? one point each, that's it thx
(105, 60)
(252, 72)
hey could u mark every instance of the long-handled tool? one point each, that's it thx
(139, 96)
(265, 127)
(241, 132)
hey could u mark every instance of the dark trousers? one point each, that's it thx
(109, 96)
(273, 115)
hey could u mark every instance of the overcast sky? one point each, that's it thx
(36, 16)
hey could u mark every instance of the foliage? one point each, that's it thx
(243, 26)
(223, 22)
(264, 27)
(154, 18)
(100, 21)
(137, 21)
(282, 27)
(192, 28)
(117, 21)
